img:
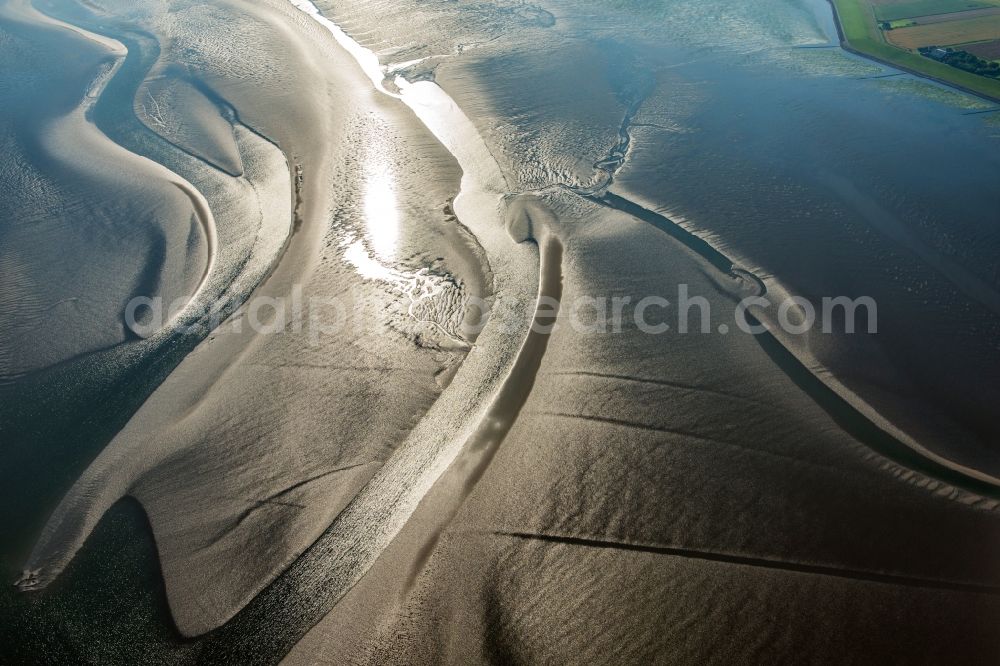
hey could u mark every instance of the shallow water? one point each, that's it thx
(794, 163)
(425, 266)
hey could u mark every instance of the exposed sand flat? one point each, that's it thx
(176, 110)
(398, 491)
(774, 529)
(257, 442)
(173, 214)
(119, 469)
(736, 515)
(77, 248)
(517, 94)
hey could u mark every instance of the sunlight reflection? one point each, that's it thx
(368, 267)
(381, 213)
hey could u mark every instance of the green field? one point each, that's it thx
(950, 33)
(861, 32)
(892, 10)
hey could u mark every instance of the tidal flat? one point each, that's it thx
(247, 479)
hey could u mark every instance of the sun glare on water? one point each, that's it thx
(382, 214)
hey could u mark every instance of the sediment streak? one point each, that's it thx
(77, 128)
(318, 579)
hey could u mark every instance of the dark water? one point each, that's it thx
(56, 417)
(790, 160)
(838, 189)
(72, 236)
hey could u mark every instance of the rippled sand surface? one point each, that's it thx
(728, 523)
(259, 438)
(399, 490)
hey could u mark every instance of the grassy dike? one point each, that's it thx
(859, 33)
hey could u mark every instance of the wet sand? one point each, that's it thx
(71, 148)
(707, 529)
(406, 494)
(339, 400)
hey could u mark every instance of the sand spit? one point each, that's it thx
(479, 451)
(77, 142)
(603, 531)
(175, 220)
(273, 621)
(256, 443)
(981, 478)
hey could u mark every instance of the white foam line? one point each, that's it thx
(366, 527)
(366, 58)
(433, 107)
